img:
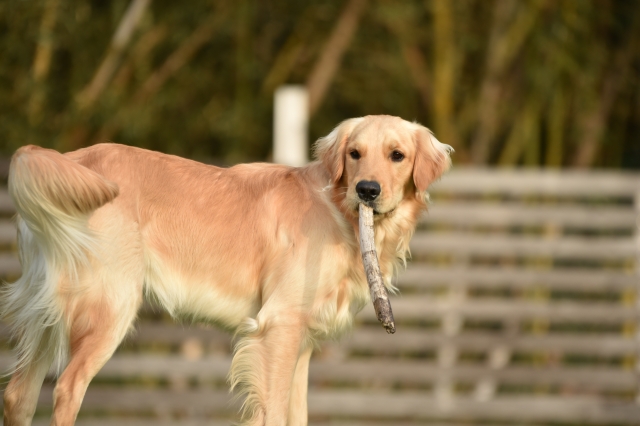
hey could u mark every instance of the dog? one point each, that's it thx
(267, 251)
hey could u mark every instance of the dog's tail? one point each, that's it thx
(54, 197)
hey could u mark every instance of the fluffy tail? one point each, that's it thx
(54, 197)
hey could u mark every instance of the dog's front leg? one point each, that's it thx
(298, 399)
(263, 368)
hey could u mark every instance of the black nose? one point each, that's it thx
(368, 190)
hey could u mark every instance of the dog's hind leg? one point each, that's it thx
(96, 329)
(21, 394)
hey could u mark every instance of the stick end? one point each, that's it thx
(385, 314)
(390, 328)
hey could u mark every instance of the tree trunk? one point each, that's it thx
(555, 129)
(180, 57)
(42, 59)
(413, 57)
(504, 44)
(327, 65)
(170, 66)
(288, 55)
(138, 59)
(524, 137)
(593, 123)
(445, 72)
(130, 21)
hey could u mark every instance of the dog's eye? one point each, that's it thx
(355, 155)
(397, 156)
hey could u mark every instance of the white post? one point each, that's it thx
(291, 116)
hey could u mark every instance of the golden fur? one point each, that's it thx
(267, 251)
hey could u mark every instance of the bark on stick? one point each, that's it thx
(379, 295)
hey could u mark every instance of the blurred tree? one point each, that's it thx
(42, 60)
(540, 82)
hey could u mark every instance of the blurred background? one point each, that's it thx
(521, 303)
(537, 82)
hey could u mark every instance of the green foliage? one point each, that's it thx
(541, 82)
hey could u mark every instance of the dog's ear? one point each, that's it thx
(432, 158)
(330, 150)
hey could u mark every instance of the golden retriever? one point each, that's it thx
(267, 251)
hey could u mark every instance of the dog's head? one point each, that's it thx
(381, 160)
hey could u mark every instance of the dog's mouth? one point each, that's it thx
(376, 212)
(375, 205)
(370, 204)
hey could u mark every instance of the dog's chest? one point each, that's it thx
(343, 296)
(332, 314)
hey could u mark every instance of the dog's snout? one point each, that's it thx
(368, 190)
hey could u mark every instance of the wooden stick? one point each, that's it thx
(379, 295)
